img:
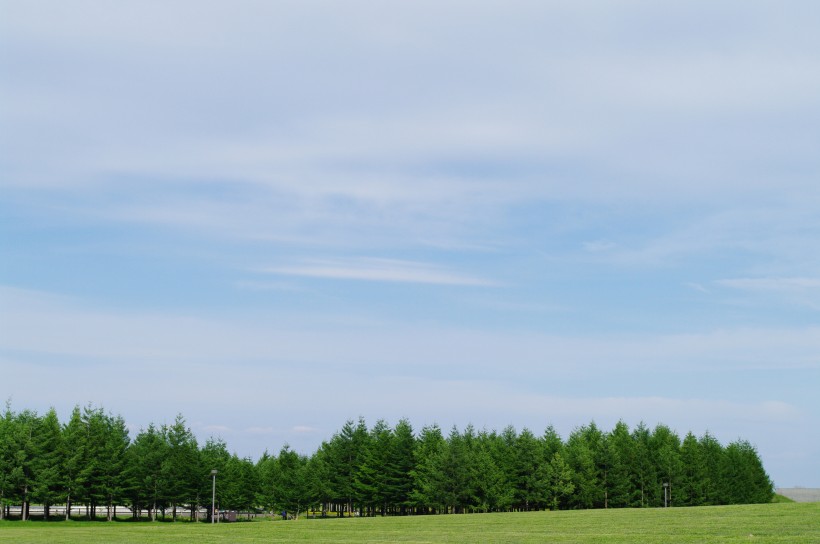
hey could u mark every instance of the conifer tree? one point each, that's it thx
(214, 456)
(530, 474)
(428, 476)
(6, 458)
(621, 456)
(146, 456)
(690, 489)
(48, 484)
(582, 459)
(73, 456)
(400, 466)
(181, 468)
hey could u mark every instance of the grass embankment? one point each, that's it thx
(792, 523)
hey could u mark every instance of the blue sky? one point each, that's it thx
(276, 216)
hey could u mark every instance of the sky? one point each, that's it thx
(275, 216)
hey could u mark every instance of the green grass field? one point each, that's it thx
(792, 523)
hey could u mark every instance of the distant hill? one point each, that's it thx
(800, 494)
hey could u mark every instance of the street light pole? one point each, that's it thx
(213, 497)
(665, 494)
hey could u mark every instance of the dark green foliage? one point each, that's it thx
(214, 456)
(691, 489)
(48, 483)
(400, 466)
(180, 469)
(289, 482)
(743, 479)
(91, 461)
(429, 491)
(530, 472)
(583, 451)
(145, 479)
(620, 456)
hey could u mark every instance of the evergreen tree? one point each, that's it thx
(621, 458)
(23, 457)
(48, 484)
(665, 446)
(530, 472)
(239, 484)
(552, 443)
(181, 468)
(73, 456)
(400, 466)
(6, 458)
(214, 456)
(113, 474)
(711, 459)
(345, 453)
(560, 476)
(291, 492)
(744, 481)
(318, 478)
(266, 471)
(95, 426)
(582, 459)
(371, 480)
(560, 482)
(494, 491)
(690, 489)
(428, 476)
(145, 460)
(645, 478)
(458, 471)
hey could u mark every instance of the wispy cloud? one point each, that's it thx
(381, 270)
(772, 284)
(696, 286)
(303, 429)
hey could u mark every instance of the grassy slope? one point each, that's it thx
(792, 523)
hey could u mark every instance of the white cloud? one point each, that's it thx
(374, 269)
(45, 326)
(301, 429)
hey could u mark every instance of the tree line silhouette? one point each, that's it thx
(91, 461)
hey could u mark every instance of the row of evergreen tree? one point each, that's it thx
(91, 461)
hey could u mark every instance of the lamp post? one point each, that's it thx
(665, 494)
(213, 497)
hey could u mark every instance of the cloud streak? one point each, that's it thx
(380, 270)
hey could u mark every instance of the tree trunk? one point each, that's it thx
(68, 507)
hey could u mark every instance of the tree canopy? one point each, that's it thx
(91, 460)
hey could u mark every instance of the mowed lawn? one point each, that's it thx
(792, 523)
